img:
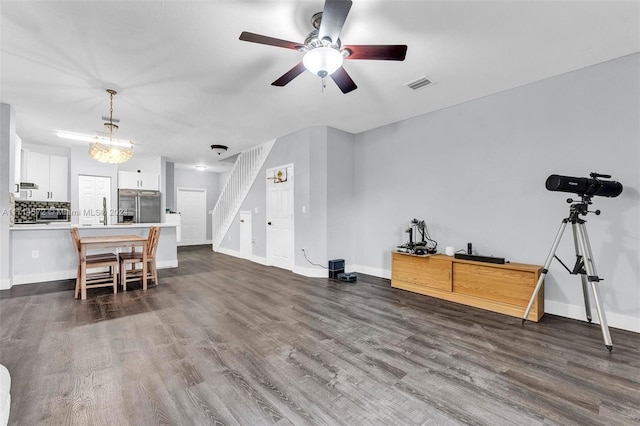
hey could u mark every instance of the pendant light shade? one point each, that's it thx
(107, 148)
(322, 61)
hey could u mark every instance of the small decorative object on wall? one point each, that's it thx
(278, 177)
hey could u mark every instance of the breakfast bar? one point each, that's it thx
(43, 253)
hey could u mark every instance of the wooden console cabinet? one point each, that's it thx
(503, 288)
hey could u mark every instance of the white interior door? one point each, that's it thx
(92, 191)
(280, 210)
(246, 236)
(192, 206)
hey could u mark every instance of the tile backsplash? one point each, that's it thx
(25, 211)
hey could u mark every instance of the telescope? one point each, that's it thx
(584, 186)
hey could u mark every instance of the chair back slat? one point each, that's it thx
(75, 236)
(152, 241)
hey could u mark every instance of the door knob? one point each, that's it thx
(268, 223)
(241, 220)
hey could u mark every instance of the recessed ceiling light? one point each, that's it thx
(88, 138)
(200, 167)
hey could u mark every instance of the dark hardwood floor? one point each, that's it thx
(225, 341)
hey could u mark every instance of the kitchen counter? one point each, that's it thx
(59, 226)
(41, 252)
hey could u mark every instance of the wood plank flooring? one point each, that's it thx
(223, 341)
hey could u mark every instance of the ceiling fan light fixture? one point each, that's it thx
(322, 61)
(219, 149)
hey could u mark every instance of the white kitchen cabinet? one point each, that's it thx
(134, 180)
(50, 173)
(14, 166)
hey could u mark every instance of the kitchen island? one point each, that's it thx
(41, 252)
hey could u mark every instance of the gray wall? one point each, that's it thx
(184, 178)
(307, 150)
(169, 176)
(476, 171)
(341, 243)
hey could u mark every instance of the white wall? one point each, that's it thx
(7, 137)
(476, 173)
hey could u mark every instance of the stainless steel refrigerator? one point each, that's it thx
(138, 206)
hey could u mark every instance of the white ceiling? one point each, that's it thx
(185, 81)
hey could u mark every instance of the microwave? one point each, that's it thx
(52, 215)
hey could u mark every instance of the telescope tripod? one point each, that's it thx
(584, 264)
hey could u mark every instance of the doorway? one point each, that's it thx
(246, 236)
(192, 206)
(94, 199)
(280, 217)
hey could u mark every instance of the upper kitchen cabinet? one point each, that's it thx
(134, 180)
(50, 173)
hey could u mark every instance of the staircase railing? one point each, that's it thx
(242, 175)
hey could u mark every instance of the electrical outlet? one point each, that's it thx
(35, 254)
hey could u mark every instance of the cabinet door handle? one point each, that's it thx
(30, 193)
(17, 187)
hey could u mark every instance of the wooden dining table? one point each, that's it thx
(110, 241)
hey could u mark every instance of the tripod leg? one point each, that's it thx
(545, 268)
(583, 277)
(585, 293)
(593, 278)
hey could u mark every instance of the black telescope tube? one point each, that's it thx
(584, 186)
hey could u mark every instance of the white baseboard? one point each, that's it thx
(166, 264)
(67, 275)
(300, 270)
(376, 272)
(234, 253)
(311, 272)
(577, 312)
(5, 284)
(43, 277)
(258, 259)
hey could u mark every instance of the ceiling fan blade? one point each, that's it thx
(343, 80)
(257, 38)
(289, 75)
(385, 52)
(333, 16)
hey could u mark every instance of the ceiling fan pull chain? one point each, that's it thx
(323, 85)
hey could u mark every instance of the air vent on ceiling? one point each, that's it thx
(418, 83)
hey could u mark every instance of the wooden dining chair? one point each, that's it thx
(95, 261)
(134, 258)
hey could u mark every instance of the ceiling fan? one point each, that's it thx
(323, 48)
